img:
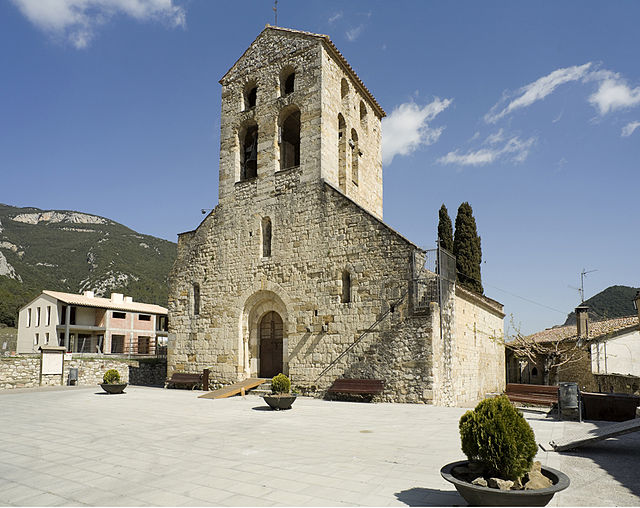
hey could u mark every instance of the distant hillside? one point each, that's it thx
(613, 302)
(71, 251)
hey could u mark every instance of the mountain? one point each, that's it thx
(70, 251)
(613, 302)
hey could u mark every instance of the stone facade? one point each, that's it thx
(294, 269)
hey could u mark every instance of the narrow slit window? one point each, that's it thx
(196, 299)
(266, 237)
(346, 287)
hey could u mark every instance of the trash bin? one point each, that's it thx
(568, 400)
(73, 377)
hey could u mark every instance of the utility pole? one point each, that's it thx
(275, 10)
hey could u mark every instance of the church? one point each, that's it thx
(294, 270)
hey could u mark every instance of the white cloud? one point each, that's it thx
(536, 91)
(496, 137)
(78, 20)
(335, 17)
(628, 129)
(354, 33)
(514, 149)
(407, 128)
(613, 93)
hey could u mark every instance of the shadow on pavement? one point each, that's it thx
(618, 456)
(419, 496)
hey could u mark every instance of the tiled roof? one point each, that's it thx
(106, 303)
(336, 53)
(596, 329)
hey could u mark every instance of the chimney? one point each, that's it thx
(582, 321)
(117, 297)
(89, 294)
(128, 299)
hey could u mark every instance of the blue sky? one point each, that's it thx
(530, 111)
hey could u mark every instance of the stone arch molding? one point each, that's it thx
(255, 304)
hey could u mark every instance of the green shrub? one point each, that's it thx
(498, 436)
(280, 384)
(111, 377)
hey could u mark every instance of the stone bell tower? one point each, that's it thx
(293, 102)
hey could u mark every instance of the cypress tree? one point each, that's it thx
(467, 249)
(445, 229)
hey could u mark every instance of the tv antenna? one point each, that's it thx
(583, 273)
(275, 11)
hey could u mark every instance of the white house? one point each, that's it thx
(618, 352)
(90, 324)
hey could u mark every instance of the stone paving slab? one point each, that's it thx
(153, 447)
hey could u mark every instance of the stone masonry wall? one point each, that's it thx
(479, 358)
(20, 371)
(317, 234)
(23, 371)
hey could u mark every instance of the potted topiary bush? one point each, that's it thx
(280, 396)
(501, 446)
(111, 382)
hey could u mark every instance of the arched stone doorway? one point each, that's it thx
(271, 344)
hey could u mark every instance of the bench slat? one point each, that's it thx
(364, 386)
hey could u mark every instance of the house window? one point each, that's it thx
(250, 96)
(342, 154)
(144, 317)
(36, 339)
(196, 299)
(249, 153)
(72, 317)
(355, 156)
(266, 237)
(63, 315)
(143, 345)
(344, 88)
(290, 140)
(46, 338)
(119, 315)
(117, 343)
(287, 81)
(48, 315)
(346, 287)
(28, 317)
(38, 313)
(534, 372)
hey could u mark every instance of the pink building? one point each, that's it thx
(90, 324)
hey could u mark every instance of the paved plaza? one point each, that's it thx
(75, 446)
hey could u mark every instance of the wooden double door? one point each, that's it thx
(271, 348)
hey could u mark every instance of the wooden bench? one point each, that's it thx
(184, 379)
(357, 386)
(541, 395)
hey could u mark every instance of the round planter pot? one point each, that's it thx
(477, 495)
(279, 401)
(113, 388)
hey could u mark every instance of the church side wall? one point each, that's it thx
(478, 367)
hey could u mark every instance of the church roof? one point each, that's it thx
(334, 51)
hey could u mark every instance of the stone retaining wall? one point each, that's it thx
(23, 371)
